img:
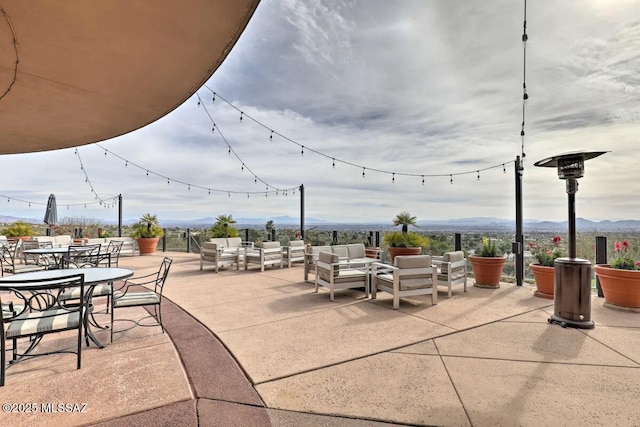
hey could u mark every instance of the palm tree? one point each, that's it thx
(405, 219)
(270, 227)
(225, 221)
(149, 221)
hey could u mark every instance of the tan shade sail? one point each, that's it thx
(75, 72)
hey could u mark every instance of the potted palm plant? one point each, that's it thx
(404, 242)
(620, 281)
(223, 227)
(544, 271)
(147, 231)
(19, 230)
(487, 266)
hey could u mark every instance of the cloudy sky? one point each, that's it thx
(411, 87)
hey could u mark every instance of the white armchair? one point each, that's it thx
(220, 257)
(294, 252)
(335, 274)
(452, 270)
(269, 254)
(410, 275)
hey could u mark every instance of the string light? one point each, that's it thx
(241, 114)
(393, 178)
(271, 136)
(363, 173)
(478, 175)
(333, 158)
(451, 179)
(422, 179)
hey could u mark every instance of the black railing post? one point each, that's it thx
(301, 188)
(519, 265)
(164, 240)
(334, 237)
(119, 215)
(601, 258)
(273, 234)
(370, 239)
(457, 242)
(377, 238)
(246, 234)
(188, 241)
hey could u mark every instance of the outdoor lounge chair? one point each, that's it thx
(335, 274)
(410, 275)
(269, 254)
(452, 270)
(220, 256)
(295, 252)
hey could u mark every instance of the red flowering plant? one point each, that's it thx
(546, 256)
(623, 261)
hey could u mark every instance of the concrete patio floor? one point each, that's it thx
(252, 348)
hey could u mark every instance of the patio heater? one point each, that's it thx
(572, 287)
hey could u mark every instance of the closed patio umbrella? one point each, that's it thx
(51, 214)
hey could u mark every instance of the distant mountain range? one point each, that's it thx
(460, 224)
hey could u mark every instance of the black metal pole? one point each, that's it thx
(302, 211)
(457, 238)
(572, 187)
(188, 236)
(119, 215)
(601, 258)
(519, 223)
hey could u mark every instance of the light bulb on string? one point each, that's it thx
(478, 175)
(241, 114)
(214, 97)
(255, 179)
(147, 173)
(229, 150)
(105, 153)
(229, 194)
(189, 187)
(451, 179)
(302, 151)
(271, 136)
(198, 103)
(334, 163)
(168, 181)
(363, 169)
(126, 164)
(243, 167)
(266, 194)
(504, 169)
(29, 204)
(209, 191)
(393, 178)
(422, 179)
(213, 129)
(247, 195)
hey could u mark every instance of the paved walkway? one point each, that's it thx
(252, 348)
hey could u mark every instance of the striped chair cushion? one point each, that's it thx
(43, 321)
(135, 298)
(74, 293)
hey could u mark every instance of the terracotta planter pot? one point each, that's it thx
(394, 252)
(487, 271)
(148, 245)
(371, 252)
(621, 288)
(16, 238)
(545, 280)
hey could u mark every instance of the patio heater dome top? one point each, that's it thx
(570, 165)
(78, 72)
(552, 162)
